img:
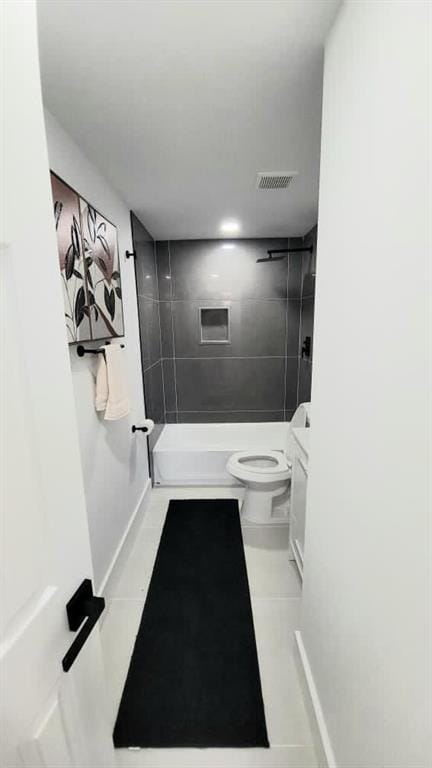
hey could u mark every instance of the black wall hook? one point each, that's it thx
(139, 429)
(130, 254)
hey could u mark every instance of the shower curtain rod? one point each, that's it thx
(270, 252)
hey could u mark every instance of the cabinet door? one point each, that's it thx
(298, 509)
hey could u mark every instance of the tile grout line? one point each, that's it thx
(160, 337)
(149, 298)
(232, 301)
(172, 330)
(237, 410)
(236, 357)
(152, 365)
(300, 335)
(286, 331)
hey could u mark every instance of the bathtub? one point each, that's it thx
(196, 454)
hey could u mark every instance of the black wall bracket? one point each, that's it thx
(82, 605)
(130, 254)
(139, 429)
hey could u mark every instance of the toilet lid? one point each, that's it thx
(267, 465)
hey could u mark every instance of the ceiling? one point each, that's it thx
(180, 103)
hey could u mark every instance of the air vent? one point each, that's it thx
(275, 179)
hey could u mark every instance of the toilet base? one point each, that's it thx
(260, 504)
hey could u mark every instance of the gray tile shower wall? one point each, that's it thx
(230, 384)
(150, 325)
(252, 373)
(257, 327)
(307, 317)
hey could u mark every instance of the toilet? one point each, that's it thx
(266, 476)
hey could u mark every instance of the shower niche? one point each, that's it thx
(214, 323)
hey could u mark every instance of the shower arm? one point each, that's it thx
(270, 252)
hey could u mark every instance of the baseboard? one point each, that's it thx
(141, 501)
(322, 741)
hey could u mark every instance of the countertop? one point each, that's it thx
(302, 435)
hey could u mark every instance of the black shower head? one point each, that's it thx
(285, 251)
(271, 258)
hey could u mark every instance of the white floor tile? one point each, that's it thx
(270, 572)
(284, 757)
(155, 513)
(157, 508)
(131, 575)
(200, 492)
(275, 590)
(275, 622)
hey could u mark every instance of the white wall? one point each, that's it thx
(367, 586)
(115, 464)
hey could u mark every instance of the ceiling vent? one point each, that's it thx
(275, 179)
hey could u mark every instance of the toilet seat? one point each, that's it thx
(242, 466)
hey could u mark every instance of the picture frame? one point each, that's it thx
(87, 244)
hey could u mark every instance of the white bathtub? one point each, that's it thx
(196, 454)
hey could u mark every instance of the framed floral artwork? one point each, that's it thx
(89, 267)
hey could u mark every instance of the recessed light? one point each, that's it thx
(214, 275)
(230, 227)
(228, 245)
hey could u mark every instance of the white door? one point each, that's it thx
(48, 717)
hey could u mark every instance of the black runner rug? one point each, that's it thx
(194, 680)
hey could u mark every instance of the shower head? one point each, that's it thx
(270, 258)
(285, 251)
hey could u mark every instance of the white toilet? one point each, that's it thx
(266, 475)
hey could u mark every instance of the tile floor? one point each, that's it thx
(275, 592)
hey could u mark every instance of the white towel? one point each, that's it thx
(101, 393)
(111, 387)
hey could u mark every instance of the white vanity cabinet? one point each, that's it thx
(300, 447)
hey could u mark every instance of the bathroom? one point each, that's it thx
(210, 562)
(213, 320)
